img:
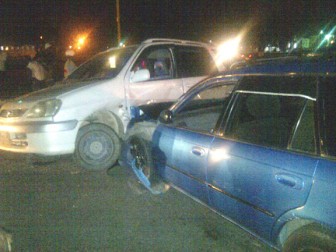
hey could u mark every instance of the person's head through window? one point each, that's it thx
(140, 65)
(160, 68)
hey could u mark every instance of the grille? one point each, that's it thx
(12, 113)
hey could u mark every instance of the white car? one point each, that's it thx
(88, 112)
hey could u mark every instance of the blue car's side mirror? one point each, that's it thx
(166, 116)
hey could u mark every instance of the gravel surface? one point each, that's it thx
(56, 206)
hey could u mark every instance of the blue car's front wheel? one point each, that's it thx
(142, 164)
(142, 157)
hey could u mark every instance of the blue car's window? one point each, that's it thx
(304, 137)
(201, 112)
(266, 119)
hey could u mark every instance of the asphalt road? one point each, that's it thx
(60, 207)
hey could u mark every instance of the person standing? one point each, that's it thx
(69, 65)
(47, 58)
(39, 75)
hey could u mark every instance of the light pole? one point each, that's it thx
(118, 21)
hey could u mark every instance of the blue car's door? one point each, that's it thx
(255, 185)
(185, 158)
(262, 167)
(181, 148)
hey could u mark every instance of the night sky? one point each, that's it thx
(264, 21)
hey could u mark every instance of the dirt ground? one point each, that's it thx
(59, 207)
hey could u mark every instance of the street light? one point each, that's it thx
(327, 37)
(81, 41)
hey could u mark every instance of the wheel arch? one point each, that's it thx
(307, 235)
(289, 227)
(107, 118)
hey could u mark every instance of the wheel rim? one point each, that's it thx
(140, 161)
(96, 146)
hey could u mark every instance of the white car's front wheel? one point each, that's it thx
(97, 147)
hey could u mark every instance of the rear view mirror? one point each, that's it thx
(140, 75)
(166, 116)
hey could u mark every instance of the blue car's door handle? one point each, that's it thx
(289, 180)
(198, 151)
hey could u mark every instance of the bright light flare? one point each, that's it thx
(7, 128)
(113, 62)
(328, 36)
(218, 155)
(228, 50)
(81, 41)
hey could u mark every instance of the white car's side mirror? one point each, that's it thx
(140, 75)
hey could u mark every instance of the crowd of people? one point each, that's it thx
(45, 66)
(22, 74)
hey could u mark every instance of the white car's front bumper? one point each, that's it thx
(46, 138)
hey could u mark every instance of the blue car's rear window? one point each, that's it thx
(282, 84)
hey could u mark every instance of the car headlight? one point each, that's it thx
(45, 109)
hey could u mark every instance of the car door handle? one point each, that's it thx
(198, 151)
(289, 180)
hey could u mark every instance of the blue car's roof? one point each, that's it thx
(286, 65)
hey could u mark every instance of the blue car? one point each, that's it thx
(258, 149)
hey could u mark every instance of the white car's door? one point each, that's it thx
(152, 78)
(154, 91)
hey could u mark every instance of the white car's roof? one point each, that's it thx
(175, 41)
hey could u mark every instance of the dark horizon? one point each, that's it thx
(23, 22)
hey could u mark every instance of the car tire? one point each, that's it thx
(312, 237)
(140, 151)
(97, 147)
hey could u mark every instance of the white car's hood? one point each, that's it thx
(55, 91)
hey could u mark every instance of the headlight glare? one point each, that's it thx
(45, 109)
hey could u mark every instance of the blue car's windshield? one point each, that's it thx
(105, 65)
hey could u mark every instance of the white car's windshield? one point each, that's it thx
(105, 65)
